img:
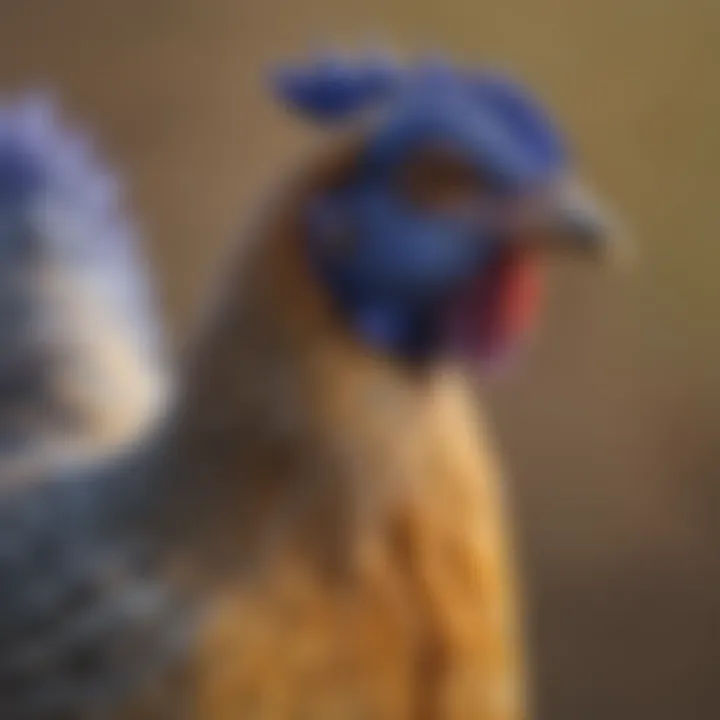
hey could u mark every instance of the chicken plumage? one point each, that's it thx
(313, 526)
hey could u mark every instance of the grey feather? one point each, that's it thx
(87, 616)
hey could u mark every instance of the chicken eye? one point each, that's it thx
(440, 181)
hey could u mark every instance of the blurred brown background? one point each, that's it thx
(611, 429)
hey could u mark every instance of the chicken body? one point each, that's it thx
(378, 582)
(313, 528)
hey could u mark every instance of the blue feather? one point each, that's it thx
(332, 89)
(72, 283)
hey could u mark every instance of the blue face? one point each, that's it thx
(420, 212)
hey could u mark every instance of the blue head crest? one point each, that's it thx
(490, 118)
(333, 89)
(404, 256)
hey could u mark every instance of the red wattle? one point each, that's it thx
(517, 295)
(497, 308)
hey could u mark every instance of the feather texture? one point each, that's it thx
(81, 357)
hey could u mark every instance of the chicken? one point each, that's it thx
(308, 522)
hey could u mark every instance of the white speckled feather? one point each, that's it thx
(81, 357)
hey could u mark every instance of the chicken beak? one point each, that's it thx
(577, 221)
